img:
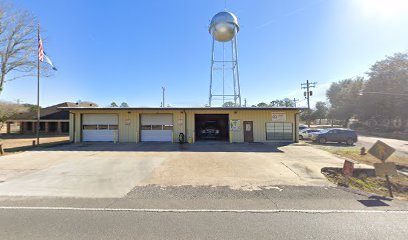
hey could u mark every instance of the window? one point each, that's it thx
(90, 127)
(146, 127)
(102, 127)
(167, 127)
(113, 127)
(157, 127)
(279, 131)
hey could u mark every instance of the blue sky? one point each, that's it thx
(124, 51)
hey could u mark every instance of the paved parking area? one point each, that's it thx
(105, 170)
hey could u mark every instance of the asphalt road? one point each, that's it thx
(186, 212)
(400, 145)
(61, 224)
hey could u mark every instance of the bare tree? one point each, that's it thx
(18, 44)
(8, 109)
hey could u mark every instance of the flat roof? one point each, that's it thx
(181, 108)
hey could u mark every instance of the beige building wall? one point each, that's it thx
(129, 122)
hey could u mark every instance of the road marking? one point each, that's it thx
(204, 210)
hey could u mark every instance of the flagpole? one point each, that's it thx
(38, 89)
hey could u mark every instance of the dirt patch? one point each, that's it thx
(18, 143)
(365, 180)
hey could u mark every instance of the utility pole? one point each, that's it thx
(244, 102)
(163, 89)
(308, 85)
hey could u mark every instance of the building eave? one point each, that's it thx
(181, 108)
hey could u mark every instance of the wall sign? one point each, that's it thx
(127, 122)
(278, 117)
(235, 125)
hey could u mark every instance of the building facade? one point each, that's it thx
(235, 125)
(53, 119)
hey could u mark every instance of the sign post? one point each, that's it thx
(382, 151)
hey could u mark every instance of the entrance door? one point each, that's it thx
(248, 131)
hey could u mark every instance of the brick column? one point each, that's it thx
(22, 127)
(59, 128)
(8, 127)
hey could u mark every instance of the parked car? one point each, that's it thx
(307, 133)
(210, 130)
(335, 135)
(301, 127)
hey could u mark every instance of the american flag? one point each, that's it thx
(40, 50)
(42, 55)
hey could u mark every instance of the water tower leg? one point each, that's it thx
(233, 72)
(237, 67)
(212, 70)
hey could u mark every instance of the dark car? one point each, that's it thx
(301, 127)
(210, 130)
(335, 135)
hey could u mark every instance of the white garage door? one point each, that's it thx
(99, 127)
(156, 127)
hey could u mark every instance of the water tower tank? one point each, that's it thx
(223, 27)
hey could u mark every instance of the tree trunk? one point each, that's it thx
(1, 83)
(346, 121)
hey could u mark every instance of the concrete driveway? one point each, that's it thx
(104, 170)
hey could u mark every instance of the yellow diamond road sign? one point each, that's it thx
(381, 150)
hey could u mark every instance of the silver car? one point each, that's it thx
(307, 133)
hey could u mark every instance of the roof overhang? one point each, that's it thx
(182, 108)
(35, 120)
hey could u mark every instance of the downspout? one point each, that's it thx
(73, 126)
(296, 128)
(185, 126)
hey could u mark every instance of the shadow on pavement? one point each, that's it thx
(373, 203)
(170, 147)
(331, 144)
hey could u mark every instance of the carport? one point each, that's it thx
(211, 127)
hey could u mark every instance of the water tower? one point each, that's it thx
(223, 29)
